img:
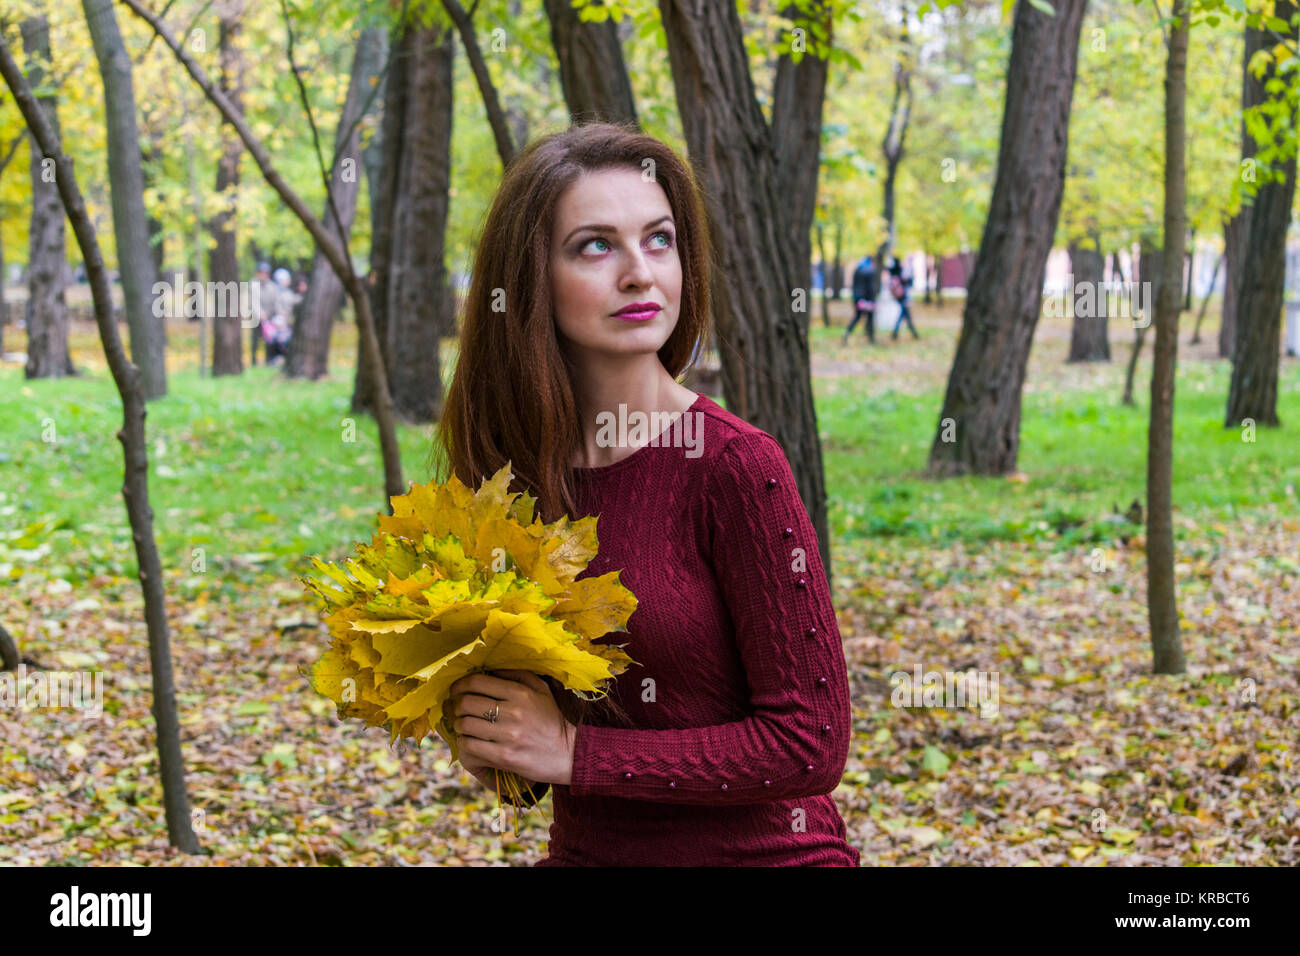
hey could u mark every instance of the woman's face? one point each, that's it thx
(613, 245)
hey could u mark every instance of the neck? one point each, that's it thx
(640, 383)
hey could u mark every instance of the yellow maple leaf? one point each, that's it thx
(596, 606)
(456, 582)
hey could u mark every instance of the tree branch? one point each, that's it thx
(335, 253)
(186, 32)
(9, 155)
(341, 141)
(235, 118)
(311, 121)
(496, 116)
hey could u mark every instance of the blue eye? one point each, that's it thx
(667, 237)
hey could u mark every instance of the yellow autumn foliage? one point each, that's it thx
(457, 582)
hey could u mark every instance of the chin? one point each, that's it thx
(641, 346)
(654, 329)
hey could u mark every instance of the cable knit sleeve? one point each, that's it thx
(795, 741)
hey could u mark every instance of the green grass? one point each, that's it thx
(256, 472)
(1082, 454)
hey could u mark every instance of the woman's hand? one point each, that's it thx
(530, 736)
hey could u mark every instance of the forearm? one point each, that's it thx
(755, 760)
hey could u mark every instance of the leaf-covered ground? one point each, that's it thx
(1088, 760)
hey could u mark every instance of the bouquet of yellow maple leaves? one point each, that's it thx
(456, 582)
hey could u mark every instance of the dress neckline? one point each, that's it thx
(638, 453)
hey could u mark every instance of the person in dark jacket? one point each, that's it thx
(899, 283)
(866, 286)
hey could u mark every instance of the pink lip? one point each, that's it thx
(638, 312)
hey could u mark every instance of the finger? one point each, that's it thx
(481, 753)
(485, 685)
(476, 705)
(470, 727)
(524, 677)
(470, 760)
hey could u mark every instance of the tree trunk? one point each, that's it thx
(409, 279)
(417, 287)
(837, 264)
(47, 313)
(381, 165)
(1257, 351)
(763, 338)
(1237, 231)
(981, 410)
(1162, 593)
(126, 183)
(381, 219)
(509, 126)
(4, 303)
(199, 273)
(1191, 264)
(1256, 348)
(1147, 271)
(223, 260)
(593, 73)
(1200, 316)
(517, 119)
(382, 191)
(516, 108)
(1089, 341)
(157, 236)
(900, 113)
(310, 345)
(135, 489)
(798, 95)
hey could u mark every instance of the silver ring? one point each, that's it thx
(491, 715)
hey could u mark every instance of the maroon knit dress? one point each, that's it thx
(739, 697)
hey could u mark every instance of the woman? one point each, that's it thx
(899, 283)
(278, 330)
(589, 296)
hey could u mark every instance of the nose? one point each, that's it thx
(636, 272)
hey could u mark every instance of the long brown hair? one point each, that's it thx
(511, 397)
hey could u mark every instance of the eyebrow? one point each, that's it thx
(600, 227)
